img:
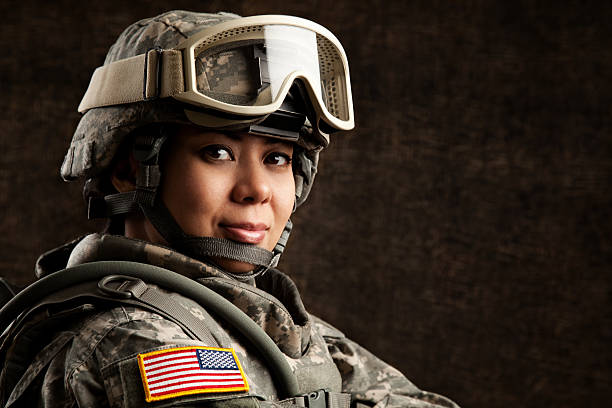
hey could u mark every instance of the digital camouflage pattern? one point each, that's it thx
(226, 76)
(101, 131)
(92, 361)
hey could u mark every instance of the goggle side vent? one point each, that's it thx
(330, 63)
(234, 32)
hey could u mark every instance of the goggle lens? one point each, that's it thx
(251, 69)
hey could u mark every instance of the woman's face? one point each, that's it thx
(234, 186)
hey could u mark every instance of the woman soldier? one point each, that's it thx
(200, 136)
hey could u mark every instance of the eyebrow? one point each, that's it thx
(233, 136)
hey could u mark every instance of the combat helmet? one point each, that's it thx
(275, 76)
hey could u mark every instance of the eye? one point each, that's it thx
(217, 152)
(278, 159)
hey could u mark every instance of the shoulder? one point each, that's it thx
(84, 361)
(121, 331)
(325, 329)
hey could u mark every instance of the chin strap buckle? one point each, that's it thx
(146, 150)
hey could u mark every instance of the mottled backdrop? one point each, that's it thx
(462, 231)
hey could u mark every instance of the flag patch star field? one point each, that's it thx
(190, 370)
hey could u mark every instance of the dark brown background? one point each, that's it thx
(461, 232)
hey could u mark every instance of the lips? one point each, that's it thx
(247, 233)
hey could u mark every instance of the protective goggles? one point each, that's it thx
(243, 67)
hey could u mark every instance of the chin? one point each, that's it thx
(234, 266)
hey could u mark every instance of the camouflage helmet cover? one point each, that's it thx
(102, 130)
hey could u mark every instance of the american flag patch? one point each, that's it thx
(190, 370)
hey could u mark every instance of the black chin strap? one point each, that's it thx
(197, 247)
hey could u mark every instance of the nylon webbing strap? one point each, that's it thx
(123, 203)
(219, 247)
(282, 241)
(148, 176)
(156, 73)
(133, 291)
(160, 301)
(339, 400)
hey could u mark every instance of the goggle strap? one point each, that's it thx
(157, 73)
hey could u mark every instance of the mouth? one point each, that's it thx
(247, 233)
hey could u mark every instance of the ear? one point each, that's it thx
(123, 176)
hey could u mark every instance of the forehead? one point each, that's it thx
(193, 134)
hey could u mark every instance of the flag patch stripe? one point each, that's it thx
(171, 363)
(157, 378)
(190, 370)
(155, 359)
(189, 376)
(167, 355)
(172, 393)
(194, 381)
(172, 368)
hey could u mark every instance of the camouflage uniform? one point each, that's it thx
(89, 355)
(93, 361)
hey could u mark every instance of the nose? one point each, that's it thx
(252, 184)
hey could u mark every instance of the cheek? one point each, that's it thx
(285, 198)
(193, 195)
(202, 186)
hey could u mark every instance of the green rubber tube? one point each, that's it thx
(212, 301)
